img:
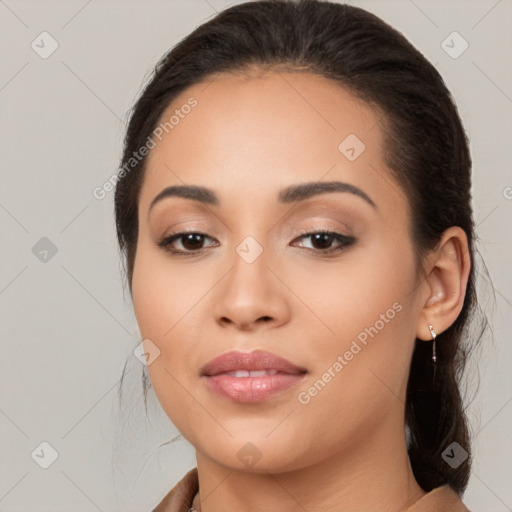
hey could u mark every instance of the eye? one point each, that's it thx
(322, 241)
(191, 241)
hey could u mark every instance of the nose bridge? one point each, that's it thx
(250, 291)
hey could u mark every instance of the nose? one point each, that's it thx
(251, 296)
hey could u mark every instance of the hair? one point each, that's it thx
(425, 148)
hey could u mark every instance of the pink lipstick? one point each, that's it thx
(251, 377)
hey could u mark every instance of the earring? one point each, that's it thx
(433, 334)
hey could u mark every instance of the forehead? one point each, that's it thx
(257, 132)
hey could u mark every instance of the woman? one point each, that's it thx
(294, 211)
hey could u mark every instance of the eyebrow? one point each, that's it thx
(291, 194)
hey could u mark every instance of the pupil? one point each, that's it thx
(192, 238)
(322, 237)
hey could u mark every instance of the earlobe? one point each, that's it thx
(446, 281)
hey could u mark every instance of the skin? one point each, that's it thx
(249, 137)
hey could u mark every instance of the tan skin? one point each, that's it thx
(248, 138)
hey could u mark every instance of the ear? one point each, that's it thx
(446, 277)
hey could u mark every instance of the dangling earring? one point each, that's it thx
(433, 334)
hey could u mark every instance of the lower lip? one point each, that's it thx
(252, 389)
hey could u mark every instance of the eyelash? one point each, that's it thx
(345, 241)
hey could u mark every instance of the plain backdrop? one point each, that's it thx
(66, 327)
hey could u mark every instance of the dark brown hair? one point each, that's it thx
(425, 147)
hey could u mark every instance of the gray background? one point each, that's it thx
(66, 327)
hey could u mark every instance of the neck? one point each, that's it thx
(375, 475)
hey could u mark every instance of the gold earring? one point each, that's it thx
(433, 334)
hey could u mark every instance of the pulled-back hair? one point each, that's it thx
(425, 147)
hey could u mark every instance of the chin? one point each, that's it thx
(261, 455)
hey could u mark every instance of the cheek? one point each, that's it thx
(360, 375)
(166, 303)
(163, 294)
(343, 298)
(365, 314)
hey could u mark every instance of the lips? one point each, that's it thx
(251, 377)
(256, 361)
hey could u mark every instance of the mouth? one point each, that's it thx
(251, 377)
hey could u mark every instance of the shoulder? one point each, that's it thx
(180, 497)
(441, 499)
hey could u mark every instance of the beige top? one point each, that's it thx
(181, 496)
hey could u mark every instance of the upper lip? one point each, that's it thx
(256, 360)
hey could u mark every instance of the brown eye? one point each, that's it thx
(193, 242)
(322, 241)
(190, 242)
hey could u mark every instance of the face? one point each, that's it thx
(256, 273)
